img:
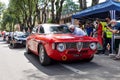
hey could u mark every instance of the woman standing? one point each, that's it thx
(99, 32)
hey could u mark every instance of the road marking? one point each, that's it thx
(75, 70)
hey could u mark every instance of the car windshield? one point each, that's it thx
(21, 35)
(57, 29)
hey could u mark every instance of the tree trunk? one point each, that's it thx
(52, 11)
(37, 13)
(80, 3)
(94, 2)
(58, 10)
(83, 4)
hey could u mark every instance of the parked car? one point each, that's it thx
(56, 42)
(18, 38)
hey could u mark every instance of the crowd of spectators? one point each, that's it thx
(103, 31)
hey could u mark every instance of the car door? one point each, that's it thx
(38, 37)
(31, 40)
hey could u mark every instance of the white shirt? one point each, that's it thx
(79, 31)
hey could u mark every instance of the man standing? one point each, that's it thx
(116, 26)
(107, 36)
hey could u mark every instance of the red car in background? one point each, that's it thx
(56, 42)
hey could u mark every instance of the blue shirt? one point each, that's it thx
(89, 30)
(79, 31)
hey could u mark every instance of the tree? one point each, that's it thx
(25, 11)
(94, 2)
(69, 7)
(82, 4)
(7, 21)
(44, 9)
(56, 9)
(52, 11)
(2, 7)
(58, 4)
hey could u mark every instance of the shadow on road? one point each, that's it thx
(56, 68)
(53, 69)
(20, 47)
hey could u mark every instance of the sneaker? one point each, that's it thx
(116, 58)
(106, 54)
(112, 55)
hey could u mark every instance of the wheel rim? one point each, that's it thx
(41, 54)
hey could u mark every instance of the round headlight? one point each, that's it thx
(93, 46)
(79, 46)
(61, 47)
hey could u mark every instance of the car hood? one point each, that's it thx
(20, 38)
(70, 37)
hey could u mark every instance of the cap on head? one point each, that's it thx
(71, 26)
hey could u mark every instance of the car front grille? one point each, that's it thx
(24, 42)
(86, 44)
(73, 45)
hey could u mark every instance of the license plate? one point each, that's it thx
(19, 42)
(77, 55)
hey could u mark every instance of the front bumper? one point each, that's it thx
(71, 54)
(21, 42)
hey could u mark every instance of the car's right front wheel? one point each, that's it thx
(43, 57)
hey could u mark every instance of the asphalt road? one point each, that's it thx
(15, 64)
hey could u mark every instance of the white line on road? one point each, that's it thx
(75, 70)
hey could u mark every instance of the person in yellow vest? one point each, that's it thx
(107, 37)
(114, 27)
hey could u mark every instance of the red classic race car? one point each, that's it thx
(56, 42)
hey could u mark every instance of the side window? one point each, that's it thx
(37, 30)
(41, 29)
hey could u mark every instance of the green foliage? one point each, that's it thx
(2, 7)
(49, 20)
(6, 21)
(27, 12)
(69, 7)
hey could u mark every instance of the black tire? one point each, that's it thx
(27, 50)
(43, 57)
(89, 59)
(13, 45)
(10, 43)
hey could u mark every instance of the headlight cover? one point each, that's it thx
(61, 47)
(79, 46)
(93, 46)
